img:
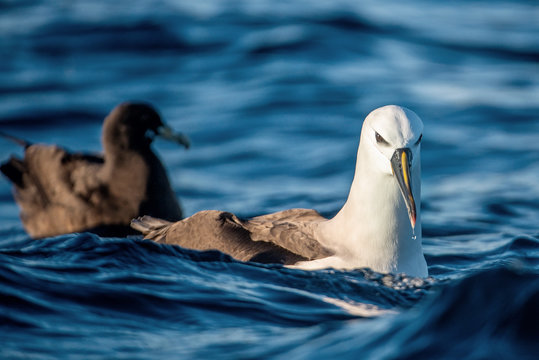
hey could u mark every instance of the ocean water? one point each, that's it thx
(273, 95)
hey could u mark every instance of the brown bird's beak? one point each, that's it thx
(167, 133)
(400, 163)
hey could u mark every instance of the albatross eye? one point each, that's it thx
(380, 139)
(419, 140)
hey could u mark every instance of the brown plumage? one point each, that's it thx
(284, 237)
(60, 192)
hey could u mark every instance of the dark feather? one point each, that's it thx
(60, 192)
(283, 237)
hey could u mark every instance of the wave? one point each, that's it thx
(489, 315)
(53, 286)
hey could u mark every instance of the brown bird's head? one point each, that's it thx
(133, 126)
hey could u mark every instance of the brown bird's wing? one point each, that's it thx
(57, 192)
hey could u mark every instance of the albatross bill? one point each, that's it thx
(378, 227)
(401, 170)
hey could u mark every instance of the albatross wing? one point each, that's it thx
(291, 229)
(276, 238)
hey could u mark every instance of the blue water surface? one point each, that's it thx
(273, 95)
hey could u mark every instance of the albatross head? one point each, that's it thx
(391, 136)
(376, 227)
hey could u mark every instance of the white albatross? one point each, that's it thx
(379, 226)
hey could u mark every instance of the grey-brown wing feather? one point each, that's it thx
(292, 229)
(282, 237)
(57, 174)
(60, 192)
(215, 230)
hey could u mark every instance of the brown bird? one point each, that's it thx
(60, 192)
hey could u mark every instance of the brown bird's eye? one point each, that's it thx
(380, 139)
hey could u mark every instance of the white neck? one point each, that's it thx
(373, 228)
